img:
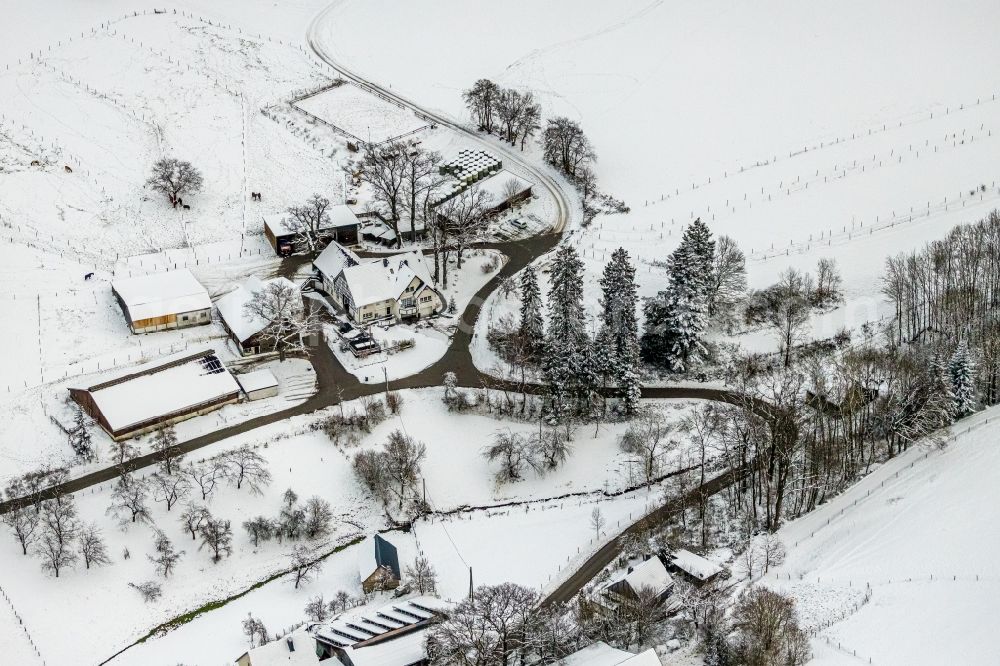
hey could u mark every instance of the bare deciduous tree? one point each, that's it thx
(728, 281)
(164, 445)
(243, 465)
(767, 630)
(259, 529)
(174, 177)
(597, 521)
(317, 609)
(481, 102)
(217, 536)
(515, 454)
(193, 517)
(129, 498)
(649, 438)
(166, 555)
(169, 489)
(92, 547)
(205, 475)
(384, 168)
(304, 565)
(422, 575)
(23, 522)
(566, 147)
(254, 630)
(318, 516)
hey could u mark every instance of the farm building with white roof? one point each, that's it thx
(159, 393)
(694, 566)
(244, 327)
(162, 301)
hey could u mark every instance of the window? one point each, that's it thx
(408, 303)
(425, 299)
(367, 315)
(184, 318)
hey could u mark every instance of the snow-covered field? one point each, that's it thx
(362, 114)
(901, 568)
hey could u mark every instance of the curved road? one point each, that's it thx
(336, 384)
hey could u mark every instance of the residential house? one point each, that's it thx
(341, 226)
(394, 635)
(158, 394)
(245, 328)
(161, 301)
(331, 261)
(379, 566)
(398, 287)
(649, 574)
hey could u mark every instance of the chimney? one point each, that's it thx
(630, 570)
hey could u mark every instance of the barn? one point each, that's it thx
(380, 572)
(158, 394)
(342, 226)
(162, 301)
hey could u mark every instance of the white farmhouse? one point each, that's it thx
(397, 287)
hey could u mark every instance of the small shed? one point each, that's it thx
(162, 301)
(258, 384)
(381, 572)
(505, 190)
(695, 567)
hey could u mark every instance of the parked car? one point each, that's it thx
(519, 224)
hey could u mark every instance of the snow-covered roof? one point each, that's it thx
(695, 565)
(602, 654)
(355, 629)
(341, 215)
(335, 258)
(160, 294)
(407, 649)
(231, 307)
(385, 279)
(257, 380)
(377, 552)
(650, 573)
(496, 186)
(279, 652)
(157, 389)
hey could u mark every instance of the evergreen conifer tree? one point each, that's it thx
(961, 372)
(567, 356)
(531, 328)
(620, 327)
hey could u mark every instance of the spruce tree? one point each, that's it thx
(532, 328)
(961, 372)
(677, 316)
(567, 364)
(619, 299)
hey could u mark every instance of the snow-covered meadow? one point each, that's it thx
(901, 568)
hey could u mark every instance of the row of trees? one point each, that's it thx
(513, 113)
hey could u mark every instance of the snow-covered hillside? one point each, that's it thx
(902, 568)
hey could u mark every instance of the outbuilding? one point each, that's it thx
(162, 301)
(695, 567)
(258, 384)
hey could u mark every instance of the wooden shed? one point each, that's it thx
(162, 301)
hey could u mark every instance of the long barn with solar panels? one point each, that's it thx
(158, 394)
(394, 635)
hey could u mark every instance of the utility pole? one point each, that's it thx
(385, 373)
(472, 596)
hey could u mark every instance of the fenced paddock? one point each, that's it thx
(360, 114)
